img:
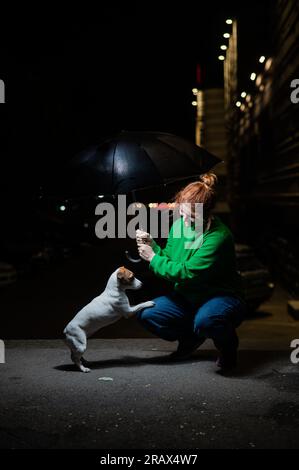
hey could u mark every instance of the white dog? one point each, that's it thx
(103, 310)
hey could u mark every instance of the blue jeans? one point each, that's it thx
(174, 318)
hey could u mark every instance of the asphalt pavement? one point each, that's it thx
(134, 398)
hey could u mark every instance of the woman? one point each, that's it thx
(207, 300)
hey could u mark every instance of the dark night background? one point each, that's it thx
(74, 76)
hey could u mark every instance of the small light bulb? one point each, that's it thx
(243, 94)
(259, 80)
(221, 57)
(223, 47)
(229, 21)
(268, 64)
(238, 104)
(62, 208)
(226, 35)
(262, 59)
(194, 103)
(253, 76)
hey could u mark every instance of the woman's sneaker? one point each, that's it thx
(227, 359)
(185, 349)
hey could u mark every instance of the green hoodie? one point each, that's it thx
(204, 271)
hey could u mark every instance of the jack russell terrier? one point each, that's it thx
(103, 310)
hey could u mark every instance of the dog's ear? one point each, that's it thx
(121, 272)
(125, 275)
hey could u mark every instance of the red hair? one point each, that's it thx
(202, 191)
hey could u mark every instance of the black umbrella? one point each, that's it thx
(134, 160)
(131, 161)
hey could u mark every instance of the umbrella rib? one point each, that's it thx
(152, 161)
(169, 181)
(173, 147)
(186, 154)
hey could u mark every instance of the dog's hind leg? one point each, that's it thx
(84, 362)
(77, 360)
(77, 342)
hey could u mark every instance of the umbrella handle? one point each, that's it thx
(133, 260)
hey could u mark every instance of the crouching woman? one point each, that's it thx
(207, 300)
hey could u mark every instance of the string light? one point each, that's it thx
(253, 77)
(259, 80)
(268, 64)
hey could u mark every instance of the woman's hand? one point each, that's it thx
(144, 243)
(143, 238)
(146, 252)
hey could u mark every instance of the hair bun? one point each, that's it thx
(209, 179)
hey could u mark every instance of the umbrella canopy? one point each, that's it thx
(134, 160)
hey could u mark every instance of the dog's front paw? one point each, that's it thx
(149, 303)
